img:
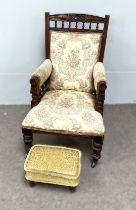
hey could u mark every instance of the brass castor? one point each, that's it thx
(94, 163)
(72, 189)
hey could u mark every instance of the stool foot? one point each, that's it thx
(72, 189)
(31, 183)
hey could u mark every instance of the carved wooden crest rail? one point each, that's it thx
(82, 22)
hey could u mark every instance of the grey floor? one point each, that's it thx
(109, 186)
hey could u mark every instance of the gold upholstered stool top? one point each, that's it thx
(53, 164)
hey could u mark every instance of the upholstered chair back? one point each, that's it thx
(73, 55)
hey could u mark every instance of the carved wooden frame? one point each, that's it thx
(37, 91)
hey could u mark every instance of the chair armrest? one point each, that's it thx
(42, 73)
(39, 81)
(99, 75)
(100, 85)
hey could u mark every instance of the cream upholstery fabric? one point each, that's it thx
(99, 74)
(43, 71)
(68, 112)
(73, 57)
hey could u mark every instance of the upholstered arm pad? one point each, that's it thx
(42, 73)
(99, 75)
(39, 81)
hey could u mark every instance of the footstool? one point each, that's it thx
(53, 164)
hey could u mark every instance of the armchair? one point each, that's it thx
(68, 89)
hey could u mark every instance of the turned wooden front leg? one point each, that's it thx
(28, 139)
(97, 148)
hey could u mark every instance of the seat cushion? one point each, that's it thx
(68, 112)
(73, 57)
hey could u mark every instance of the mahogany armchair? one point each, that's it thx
(68, 89)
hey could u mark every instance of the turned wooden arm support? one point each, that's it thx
(100, 84)
(39, 81)
(100, 96)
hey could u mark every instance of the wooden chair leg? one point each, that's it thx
(97, 148)
(28, 139)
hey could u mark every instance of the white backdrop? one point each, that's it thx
(22, 45)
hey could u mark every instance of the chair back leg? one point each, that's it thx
(97, 148)
(28, 139)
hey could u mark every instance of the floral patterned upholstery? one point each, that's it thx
(73, 57)
(43, 71)
(68, 112)
(99, 74)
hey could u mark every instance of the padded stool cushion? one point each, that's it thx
(53, 164)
